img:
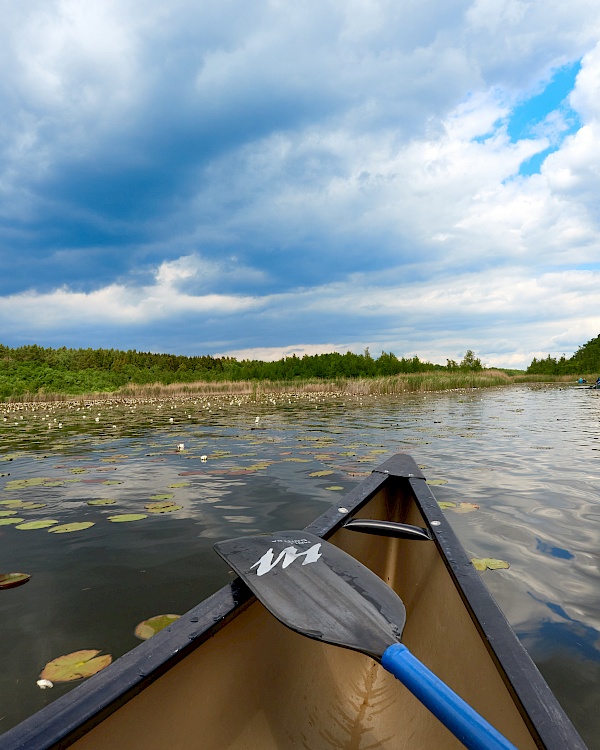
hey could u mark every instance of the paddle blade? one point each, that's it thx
(318, 590)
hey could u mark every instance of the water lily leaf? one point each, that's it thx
(166, 507)
(179, 484)
(446, 504)
(11, 503)
(78, 471)
(323, 473)
(10, 580)
(8, 512)
(18, 484)
(483, 563)
(298, 460)
(437, 482)
(9, 521)
(65, 528)
(334, 487)
(147, 628)
(124, 517)
(466, 508)
(36, 525)
(110, 481)
(75, 666)
(102, 501)
(161, 497)
(31, 505)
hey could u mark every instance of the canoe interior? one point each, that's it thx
(256, 684)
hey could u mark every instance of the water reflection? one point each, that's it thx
(525, 455)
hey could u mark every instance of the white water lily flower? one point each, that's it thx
(43, 684)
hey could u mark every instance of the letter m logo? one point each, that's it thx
(268, 561)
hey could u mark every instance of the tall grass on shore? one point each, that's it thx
(258, 389)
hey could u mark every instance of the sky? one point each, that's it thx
(296, 177)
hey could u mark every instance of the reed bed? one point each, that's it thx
(253, 390)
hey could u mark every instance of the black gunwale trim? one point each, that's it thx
(550, 726)
(64, 721)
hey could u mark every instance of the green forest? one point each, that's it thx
(585, 361)
(35, 370)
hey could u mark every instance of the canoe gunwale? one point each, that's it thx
(549, 725)
(64, 721)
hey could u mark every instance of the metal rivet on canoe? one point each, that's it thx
(343, 510)
(436, 523)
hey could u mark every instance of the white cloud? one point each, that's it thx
(323, 160)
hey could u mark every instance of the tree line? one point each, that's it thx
(585, 361)
(35, 369)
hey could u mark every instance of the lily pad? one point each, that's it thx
(161, 497)
(147, 628)
(11, 503)
(65, 528)
(28, 525)
(10, 580)
(8, 513)
(446, 504)
(466, 507)
(483, 563)
(102, 501)
(10, 521)
(125, 517)
(75, 666)
(335, 487)
(324, 473)
(437, 482)
(165, 507)
(177, 485)
(31, 505)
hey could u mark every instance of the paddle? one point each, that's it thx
(322, 592)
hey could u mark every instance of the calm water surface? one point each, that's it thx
(529, 457)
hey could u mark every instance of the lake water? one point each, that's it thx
(528, 456)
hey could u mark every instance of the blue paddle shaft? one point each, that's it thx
(466, 724)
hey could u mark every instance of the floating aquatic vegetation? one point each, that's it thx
(29, 525)
(66, 528)
(102, 501)
(75, 666)
(147, 628)
(125, 517)
(466, 507)
(179, 485)
(436, 482)
(11, 580)
(335, 487)
(4, 513)
(298, 460)
(323, 473)
(161, 497)
(489, 563)
(163, 507)
(10, 521)
(446, 504)
(19, 484)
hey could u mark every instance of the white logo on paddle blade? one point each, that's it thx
(288, 555)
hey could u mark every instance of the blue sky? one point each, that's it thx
(273, 178)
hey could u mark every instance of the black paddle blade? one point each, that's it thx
(318, 590)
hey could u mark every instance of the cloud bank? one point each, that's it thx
(281, 177)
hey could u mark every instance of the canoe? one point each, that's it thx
(228, 676)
